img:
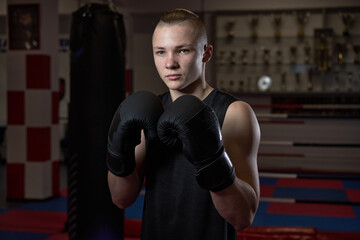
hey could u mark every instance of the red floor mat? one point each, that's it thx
(33, 221)
(338, 236)
(132, 227)
(353, 195)
(310, 183)
(308, 209)
(276, 233)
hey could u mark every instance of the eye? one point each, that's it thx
(160, 53)
(184, 51)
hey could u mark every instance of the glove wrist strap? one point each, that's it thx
(217, 175)
(121, 166)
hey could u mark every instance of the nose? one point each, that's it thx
(171, 62)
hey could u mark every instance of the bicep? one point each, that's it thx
(241, 137)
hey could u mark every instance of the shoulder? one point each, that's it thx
(240, 119)
(238, 110)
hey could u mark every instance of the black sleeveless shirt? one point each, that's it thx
(175, 206)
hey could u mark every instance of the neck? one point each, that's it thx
(198, 88)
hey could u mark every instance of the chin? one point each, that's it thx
(174, 86)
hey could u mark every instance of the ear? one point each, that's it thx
(208, 49)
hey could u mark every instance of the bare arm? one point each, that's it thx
(241, 136)
(125, 190)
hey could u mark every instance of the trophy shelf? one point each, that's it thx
(299, 70)
(301, 52)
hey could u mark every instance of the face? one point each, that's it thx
(179, 55)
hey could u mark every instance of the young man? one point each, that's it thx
(205, 185)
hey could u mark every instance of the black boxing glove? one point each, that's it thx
(190, 123)
(140, 110)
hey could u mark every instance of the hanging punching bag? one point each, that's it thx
(97, 44)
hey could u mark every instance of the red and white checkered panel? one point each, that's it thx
(33, 149)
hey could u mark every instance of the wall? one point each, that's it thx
(140, 18)
(144, 15)
(230, 5)
(3, 65)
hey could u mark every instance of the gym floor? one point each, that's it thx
(325, 203)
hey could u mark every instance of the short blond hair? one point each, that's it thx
(179, 16)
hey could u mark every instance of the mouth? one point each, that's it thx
(173, 76)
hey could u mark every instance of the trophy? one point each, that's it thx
(302, 18)
(277, 20)
(254, 57)
(350, 81)
(244, 59)
(337, 82)
(249, 83)
(254, 22)
(356, 49)
(232, 58)
(266, 56)
(307, 50)
(323, 39)
(323, 54)
(278, 57)
(293, 52)
(297, 82)
(230, 25)
(241, 85)
(310, 80)
(283, 82)
(231, 86)
(341, 49)
(348, 20)
(221, 57)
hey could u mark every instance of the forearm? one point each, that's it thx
(126, 148)
(237, 204)
(124, 190)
